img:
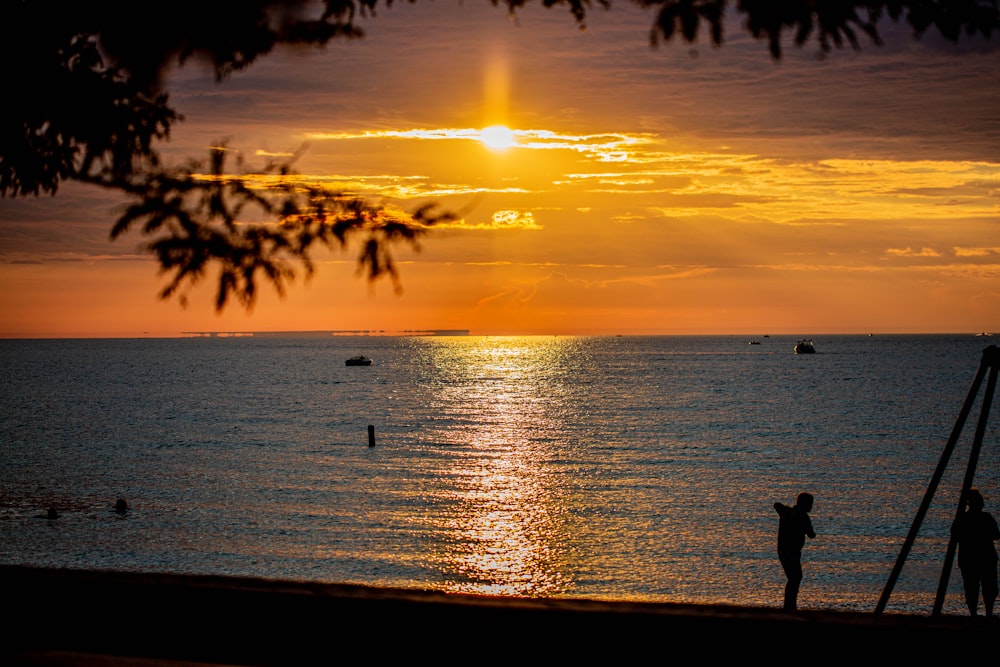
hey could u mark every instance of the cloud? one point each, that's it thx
(505, 219)
(977, 252)
(910, 252)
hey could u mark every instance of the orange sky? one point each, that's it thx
(670, 190)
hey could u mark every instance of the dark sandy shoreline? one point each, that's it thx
(75, 617)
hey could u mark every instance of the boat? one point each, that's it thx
(754, 342)
(359, 360)
(804, 346)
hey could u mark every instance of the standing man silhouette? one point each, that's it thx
(794, 525)
(975, 531)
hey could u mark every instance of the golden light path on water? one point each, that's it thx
(508, 513)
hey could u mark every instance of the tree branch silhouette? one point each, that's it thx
(199, 218)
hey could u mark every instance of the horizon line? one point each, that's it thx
(374, 333)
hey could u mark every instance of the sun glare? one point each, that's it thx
(497, 137)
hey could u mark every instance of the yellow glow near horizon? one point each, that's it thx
(627, 234)
(497, 137)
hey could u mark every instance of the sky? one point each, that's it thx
(678, 189)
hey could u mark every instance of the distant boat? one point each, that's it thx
(984, 333)
(359, 360)
(754, 342)
(804, 346)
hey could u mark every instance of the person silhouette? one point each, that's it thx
(794, 525)
(975, 531)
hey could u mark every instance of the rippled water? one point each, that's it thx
(610, 467)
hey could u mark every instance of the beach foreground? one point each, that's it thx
(62, 617)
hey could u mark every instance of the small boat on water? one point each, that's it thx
(359, 360)
(754, 342)
(804, 346)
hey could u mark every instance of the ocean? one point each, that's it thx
(618, 468)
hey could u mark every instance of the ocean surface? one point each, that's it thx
(622, 468)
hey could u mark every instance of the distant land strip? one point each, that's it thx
(325, 334)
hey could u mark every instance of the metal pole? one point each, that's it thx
(932, 487)
(970, 474)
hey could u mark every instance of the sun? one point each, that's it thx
(497, 137)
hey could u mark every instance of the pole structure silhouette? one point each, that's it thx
(970, 473)
(990, 359)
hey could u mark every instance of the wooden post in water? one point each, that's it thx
(371, 435)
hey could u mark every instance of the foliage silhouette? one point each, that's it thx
(87, 103)
(195, 216)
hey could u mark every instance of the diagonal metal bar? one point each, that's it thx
(970, 474)
(989, 358)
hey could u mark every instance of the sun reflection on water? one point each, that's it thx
(505, 504)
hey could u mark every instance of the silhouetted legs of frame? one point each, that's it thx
(990, 362)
